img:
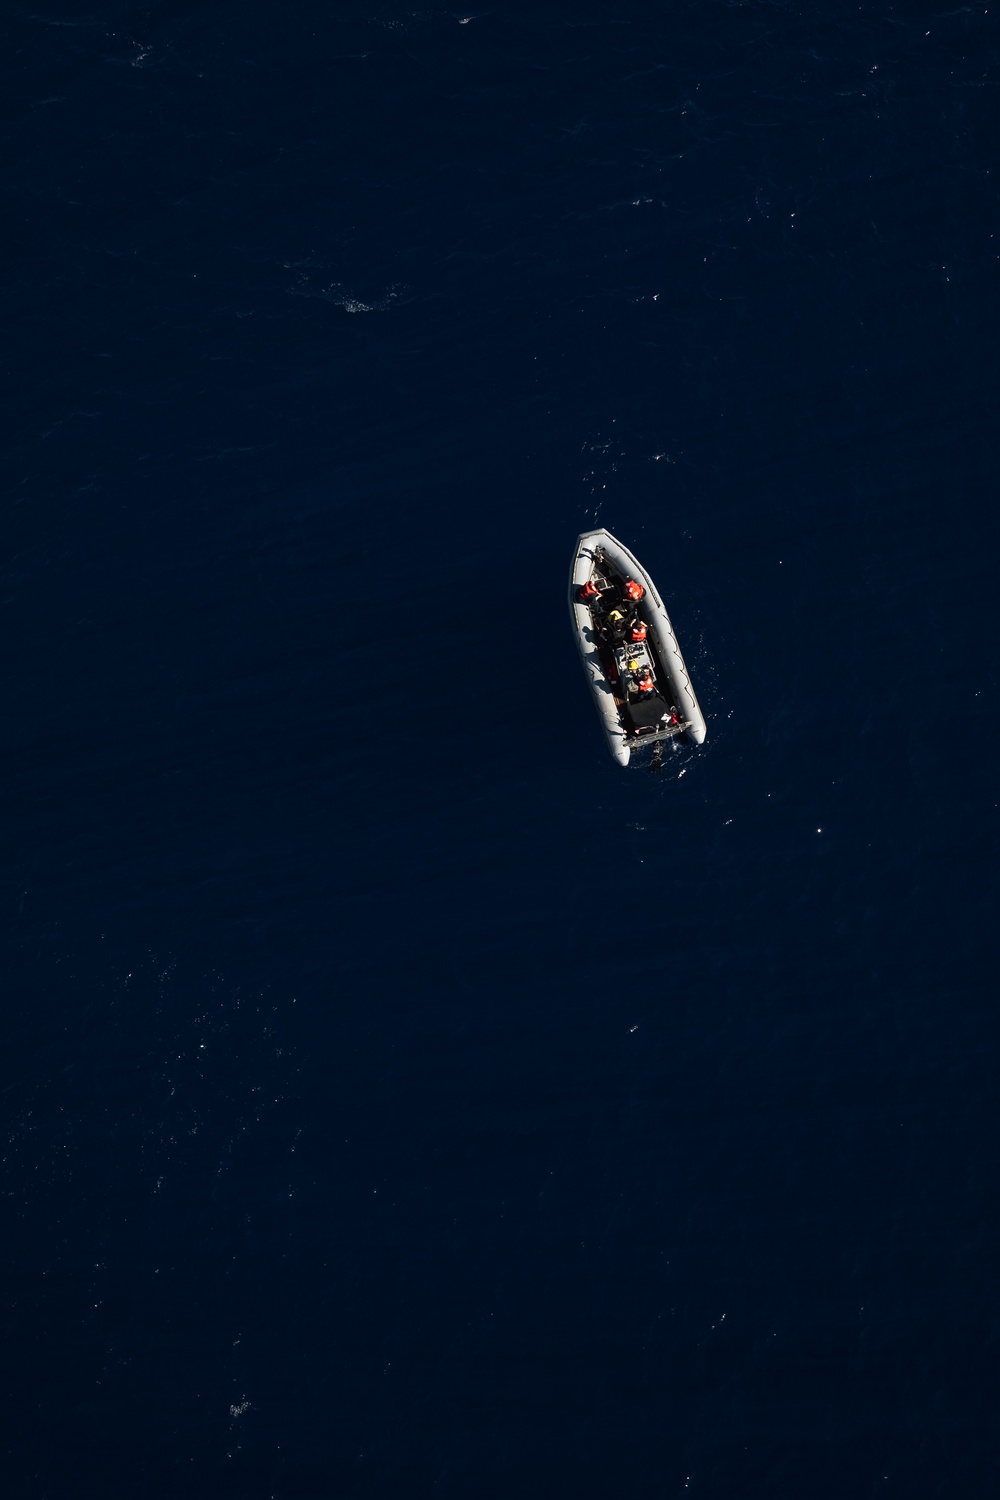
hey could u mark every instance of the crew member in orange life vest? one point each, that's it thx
(637, 630)
(633, 591)
(642, 677)
(589, 592)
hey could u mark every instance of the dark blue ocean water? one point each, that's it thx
(399, 1099)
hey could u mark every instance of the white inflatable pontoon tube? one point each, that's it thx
(622, 561)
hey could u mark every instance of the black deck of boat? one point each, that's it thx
(642, 720)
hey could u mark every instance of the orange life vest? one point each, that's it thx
(634, 590)
(589, 590)
(646, 684)
(639, 630)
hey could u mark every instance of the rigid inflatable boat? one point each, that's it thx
(630, 653)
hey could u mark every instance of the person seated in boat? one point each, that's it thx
(642, 679)
(633, 591)
(637, 629)
(589, 592)
(614, 625)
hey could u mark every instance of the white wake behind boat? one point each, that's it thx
(630, 654)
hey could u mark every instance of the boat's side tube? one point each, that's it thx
(662, 631)
(586, 639)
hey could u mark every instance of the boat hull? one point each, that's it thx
(597, 548)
